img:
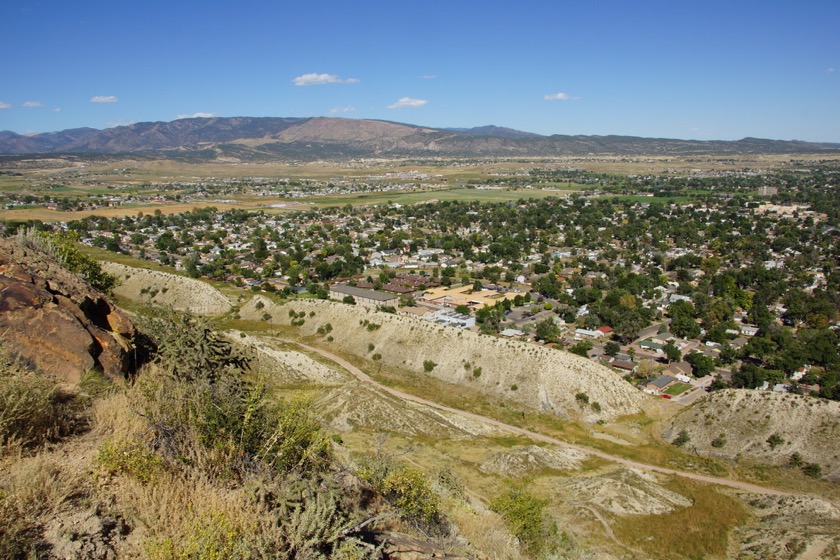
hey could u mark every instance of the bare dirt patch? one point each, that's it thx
(625, 492)
(790, 527)
(530, 459)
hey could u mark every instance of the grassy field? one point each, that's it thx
(413, 197)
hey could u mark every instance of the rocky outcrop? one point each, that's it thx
(56, 322)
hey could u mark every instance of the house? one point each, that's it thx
(679, 369)
(661, 383)
(588, 334)
(748, 330)
(367, 298)
(623, 365)
(651, 345)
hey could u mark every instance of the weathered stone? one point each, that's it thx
(55, 321)
(399, 546)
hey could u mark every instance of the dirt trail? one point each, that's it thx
(362, 376)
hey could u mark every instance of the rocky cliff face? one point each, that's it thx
(54, 321)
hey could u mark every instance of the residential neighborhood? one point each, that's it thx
(731, 287)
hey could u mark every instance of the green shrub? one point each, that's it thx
(405, 487)
(774, 441)
(812, 469)
(524, 514)
(681, 439)
(129, 458)
(188, 348)
(428, 366)
(203, 413)
(410, 491)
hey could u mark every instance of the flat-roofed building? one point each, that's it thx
(368, 298)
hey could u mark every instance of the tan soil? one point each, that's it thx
(787, 528)
(522, 461)
(625, 491)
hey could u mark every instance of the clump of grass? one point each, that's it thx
(130, 458)
(33, 407)
(30, 488)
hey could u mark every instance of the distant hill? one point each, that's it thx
(267, 138)
(497, 131)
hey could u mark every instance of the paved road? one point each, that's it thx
(362, 376)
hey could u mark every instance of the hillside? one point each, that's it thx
(119, 485)
(540, 378)
(165, 289)
(260, 138)
(747, 419)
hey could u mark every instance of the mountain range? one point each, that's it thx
(266, 138)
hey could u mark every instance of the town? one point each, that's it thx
(681, 284)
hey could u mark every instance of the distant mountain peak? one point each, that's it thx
(310, 138)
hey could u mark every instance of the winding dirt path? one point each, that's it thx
(362, 376)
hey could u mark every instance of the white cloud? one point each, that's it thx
(57, 110)
(559, 96)
(831, 69)
(314, 79)
(345, 109)
(4, 105)
(33, 104)
(196, 116)
(407, 103)
(119, 122)
(428, 77)
(104, 99)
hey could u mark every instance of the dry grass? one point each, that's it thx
(698, 531)
(31, 488)
(485, 531)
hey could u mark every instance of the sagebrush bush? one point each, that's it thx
(204, 413)
(408, 489)
(524, 514)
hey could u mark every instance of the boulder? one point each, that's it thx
(54, 321)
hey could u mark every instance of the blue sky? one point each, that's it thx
(676, 69)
